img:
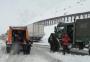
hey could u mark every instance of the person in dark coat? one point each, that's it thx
(65, 42)
(50, 41)
(54, 44)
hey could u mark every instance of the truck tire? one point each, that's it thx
(89, 51)
(28, 49)
(8, 49)
(24, 49)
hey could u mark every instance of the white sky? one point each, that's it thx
(22, 12)
(19, 12)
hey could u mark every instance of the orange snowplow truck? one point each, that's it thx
(18, 40)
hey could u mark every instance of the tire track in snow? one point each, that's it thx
(37, 54)
(43, 51)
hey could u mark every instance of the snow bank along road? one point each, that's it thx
(38, 53)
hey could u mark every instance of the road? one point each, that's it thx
(38, 53)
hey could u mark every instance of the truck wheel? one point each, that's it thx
(24, 49)
(29, 49)
(8, 49)
(89, 51)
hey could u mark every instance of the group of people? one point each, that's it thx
(55, 43)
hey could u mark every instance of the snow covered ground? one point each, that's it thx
(3, 56)
(38, 53)
(41, 53)
(70, 58)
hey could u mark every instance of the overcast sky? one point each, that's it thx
(22, 12)
(19, 12)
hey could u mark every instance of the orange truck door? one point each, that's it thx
(27, 37)
(9, 41)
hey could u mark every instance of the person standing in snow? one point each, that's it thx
(65, 42)
(54, 44)
(50, 41)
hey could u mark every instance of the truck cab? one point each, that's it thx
(64, 28)
(78, 31)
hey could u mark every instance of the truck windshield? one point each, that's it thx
(60, 29)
